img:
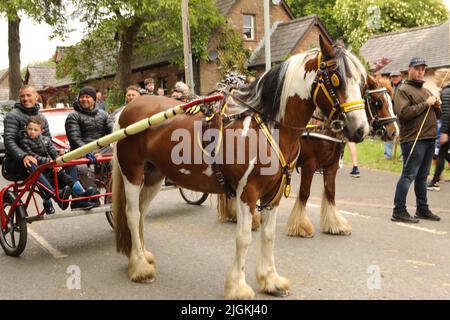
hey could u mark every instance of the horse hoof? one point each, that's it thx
(280, 293)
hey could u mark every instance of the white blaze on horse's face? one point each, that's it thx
(357, 126)
(354, 73)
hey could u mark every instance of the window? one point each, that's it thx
(248, 30)
(162, 83)
(180, 77)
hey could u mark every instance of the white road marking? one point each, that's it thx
(47, 246)
(356, 214)
(421, 263)
(441, 233)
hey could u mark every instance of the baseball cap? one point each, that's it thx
(417, 62)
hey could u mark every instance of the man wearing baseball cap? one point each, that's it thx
(417, 110)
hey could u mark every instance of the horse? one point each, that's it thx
(321, 152)
(280, 103)
(322, 148)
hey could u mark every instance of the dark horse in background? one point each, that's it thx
(283, 99)
(322, 148)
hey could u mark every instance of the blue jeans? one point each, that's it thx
(388, 149)
(416, 170)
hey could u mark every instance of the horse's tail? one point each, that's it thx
(225, 208)
(123, 235)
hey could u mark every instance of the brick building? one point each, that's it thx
(289, 36)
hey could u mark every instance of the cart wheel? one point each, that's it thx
(108, 213)
(193, 197)
(14, 238)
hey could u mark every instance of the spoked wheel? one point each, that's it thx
(108, 213)
(193, 197)
(13, 238)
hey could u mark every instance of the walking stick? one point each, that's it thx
(417, 137)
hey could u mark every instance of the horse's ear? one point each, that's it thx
(327, 50)
(371, 82)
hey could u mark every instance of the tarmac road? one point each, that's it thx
(193, 251)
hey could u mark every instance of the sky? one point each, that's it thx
(35, 42)
(36, 45)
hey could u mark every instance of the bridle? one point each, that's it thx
(374, 104)
(328, 80)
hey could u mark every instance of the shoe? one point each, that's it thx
(355, 172)
(433, 186)
(403, 216)
(81, 204)
(64, 194)
(48, 206)
(426, 214)
(89, 192)
(95, 202)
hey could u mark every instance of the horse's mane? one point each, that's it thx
(268, 95)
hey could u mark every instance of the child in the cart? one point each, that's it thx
(41, 147)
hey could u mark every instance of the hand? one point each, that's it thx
(58, 169)
(28, 160)
(92, 158)
(438, 103)
(431, 101)
(443, 139)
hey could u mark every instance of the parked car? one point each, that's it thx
(56, 118)
(5, 107)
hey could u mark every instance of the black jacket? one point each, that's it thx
(41, 148)
(445, 109)
(84, 126)
(15, 121)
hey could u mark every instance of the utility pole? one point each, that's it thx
(188, 72)
(267, 34)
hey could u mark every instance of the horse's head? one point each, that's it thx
(378, 95)
(337, 88)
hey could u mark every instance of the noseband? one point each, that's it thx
(374, 104)
(327, 80)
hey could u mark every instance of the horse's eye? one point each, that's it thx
(378, 103)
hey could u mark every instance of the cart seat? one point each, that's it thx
(13, 176)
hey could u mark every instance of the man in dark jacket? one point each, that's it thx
(414, 106)
(16, 159)
(85, 125)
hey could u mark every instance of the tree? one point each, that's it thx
(323, 8)
(48, 11)
(361, 19)
(119, 29)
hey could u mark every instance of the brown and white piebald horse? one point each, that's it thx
(319, 151)
(321, 148)
(284, 98)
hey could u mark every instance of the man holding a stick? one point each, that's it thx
(417, 110)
